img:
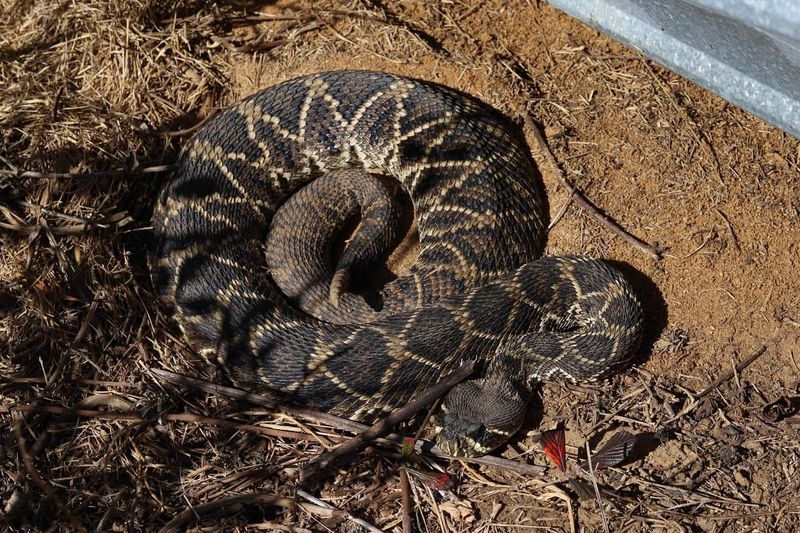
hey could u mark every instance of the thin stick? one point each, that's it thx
(717, 382)
(383, 426)
(273, 526)
(730, 229)
(581, 200)
(269, 402)
(405, 485)
(695, 130)
(561, 212)
(469, 11)
(522, 469)
(217, 390)
(702, 496)
(730, 373)
(343, 424)
(434, 406)
(366, 525)
(177, 523)
(27, 459)
(596, 489)
(85, 413)
(338, 34)
(268, 17)
(170, 417)
(405, 493)
(94, 382)
(101, 174)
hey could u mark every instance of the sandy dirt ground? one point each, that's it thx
(96, 97)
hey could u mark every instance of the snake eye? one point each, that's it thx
(476, 431)
(449, 418)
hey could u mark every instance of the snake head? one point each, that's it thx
(458, 436)
(479, 415)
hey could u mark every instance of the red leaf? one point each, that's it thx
(614, 451)
(554, 445)
(434, 480)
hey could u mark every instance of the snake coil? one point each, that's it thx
(285, 322)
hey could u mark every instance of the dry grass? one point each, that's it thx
(97, 96)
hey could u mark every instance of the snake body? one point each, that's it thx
(291, 328)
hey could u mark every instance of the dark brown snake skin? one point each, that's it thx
(477, 290)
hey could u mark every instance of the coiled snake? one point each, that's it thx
(476, 291)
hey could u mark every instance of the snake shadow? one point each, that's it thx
(655, 311)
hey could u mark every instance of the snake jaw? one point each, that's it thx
(458, 437)
(463, 447)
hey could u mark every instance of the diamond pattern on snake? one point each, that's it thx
(247, 225)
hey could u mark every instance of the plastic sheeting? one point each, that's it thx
(747, 51)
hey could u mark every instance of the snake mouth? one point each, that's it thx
(460, 437)
(463, 446)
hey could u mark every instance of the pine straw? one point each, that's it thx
(105, 91)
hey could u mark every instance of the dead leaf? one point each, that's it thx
(459, 510)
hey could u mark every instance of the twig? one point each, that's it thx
(213, 388)
(405, 486)
(92, 382)
(74, 522)
(267, 17)
(581, 200)
(269, 402)
(384, 425)
(558, 216)
(178, 523)
(740, 516)
(703, 497)
(695, 131)
(272, 526)
(405, 494)
(469, 11)
(101, 174)
(260, 46)
(557, 492)
(53, 213)
(338, 34)
(342, 424)
(596, 489)
(85, 413)
(730, 229)
(366, 525)
(170, 417)
(730, 373)
(717, 382)
(56, 104)
(522, 469)
(87, 321)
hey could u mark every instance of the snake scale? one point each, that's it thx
(290, 165)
